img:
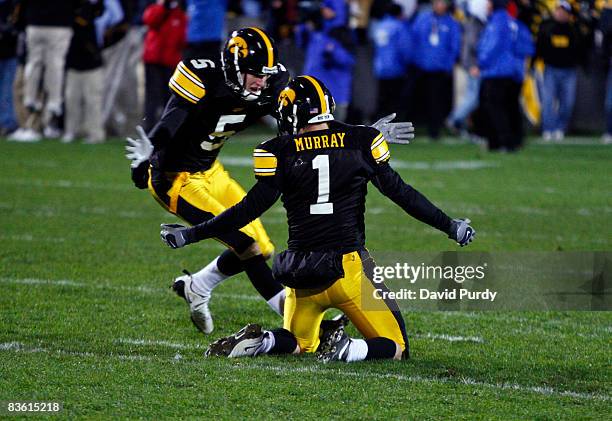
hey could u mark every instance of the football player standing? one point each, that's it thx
(177, 161)
(320, 168)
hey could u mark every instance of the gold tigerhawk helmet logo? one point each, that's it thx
(240, 44)
(286, 97)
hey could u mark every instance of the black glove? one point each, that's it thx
(140, 175)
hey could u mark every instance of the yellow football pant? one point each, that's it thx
(304, 309)
(198, 197)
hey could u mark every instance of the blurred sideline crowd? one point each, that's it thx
(89, 69)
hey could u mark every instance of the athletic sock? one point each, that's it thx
(205, 280)
(380, 348)
(260, 276)
(277, 303)
(357, 350)
(229, 264)
(225, 265)
(267, 343)
(282, 342)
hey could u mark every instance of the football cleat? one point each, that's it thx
(244, 343)
(340, 320)
(334, 346)
(198, 304)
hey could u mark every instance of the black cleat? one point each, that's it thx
(178, 286)
(243, 343)
(334, 346)
(341, 320)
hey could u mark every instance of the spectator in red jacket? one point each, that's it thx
(167, 24)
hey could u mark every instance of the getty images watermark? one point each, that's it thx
(488, 281)
(413, 274)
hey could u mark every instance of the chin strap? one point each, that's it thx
(250, 96)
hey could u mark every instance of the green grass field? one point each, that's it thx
(87, 319)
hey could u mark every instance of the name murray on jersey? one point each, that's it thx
(334, 140)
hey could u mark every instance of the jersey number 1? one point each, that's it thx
(323, 205)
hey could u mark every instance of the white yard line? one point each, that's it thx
(66, 184)
(162, 343)
(420, 379)
(495, 209)
(505, 317)
(177, 345)
(324, 371)
(450, 338)
(28, 238)
(103, 285)
(20, 347)
(243, 161)
(50, 211)
(568, 141)
(502, 234)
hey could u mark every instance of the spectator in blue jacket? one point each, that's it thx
(335, 13)
(503, 48)
(329, 57)
(8, 65)
(392, 52)
(437, 41)
(113, 14)
(205, 28)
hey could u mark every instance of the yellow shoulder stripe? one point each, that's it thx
(380, 149)
(264, 162)
(193, 76)
(187, 84)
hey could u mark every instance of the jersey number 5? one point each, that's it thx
(323, 205)
(218, 137)
(202, 63)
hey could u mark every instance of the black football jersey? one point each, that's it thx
(213, 114)
(322, 176)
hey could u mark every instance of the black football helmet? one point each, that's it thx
(305, 100)
(248, 50)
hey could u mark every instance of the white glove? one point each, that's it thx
(140, 149)
(400, 133)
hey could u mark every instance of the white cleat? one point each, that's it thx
(198, 304)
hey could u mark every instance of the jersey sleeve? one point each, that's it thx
(266, 158)
(265, 162)
(373, 145)
(379, 149)
(187, 84)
